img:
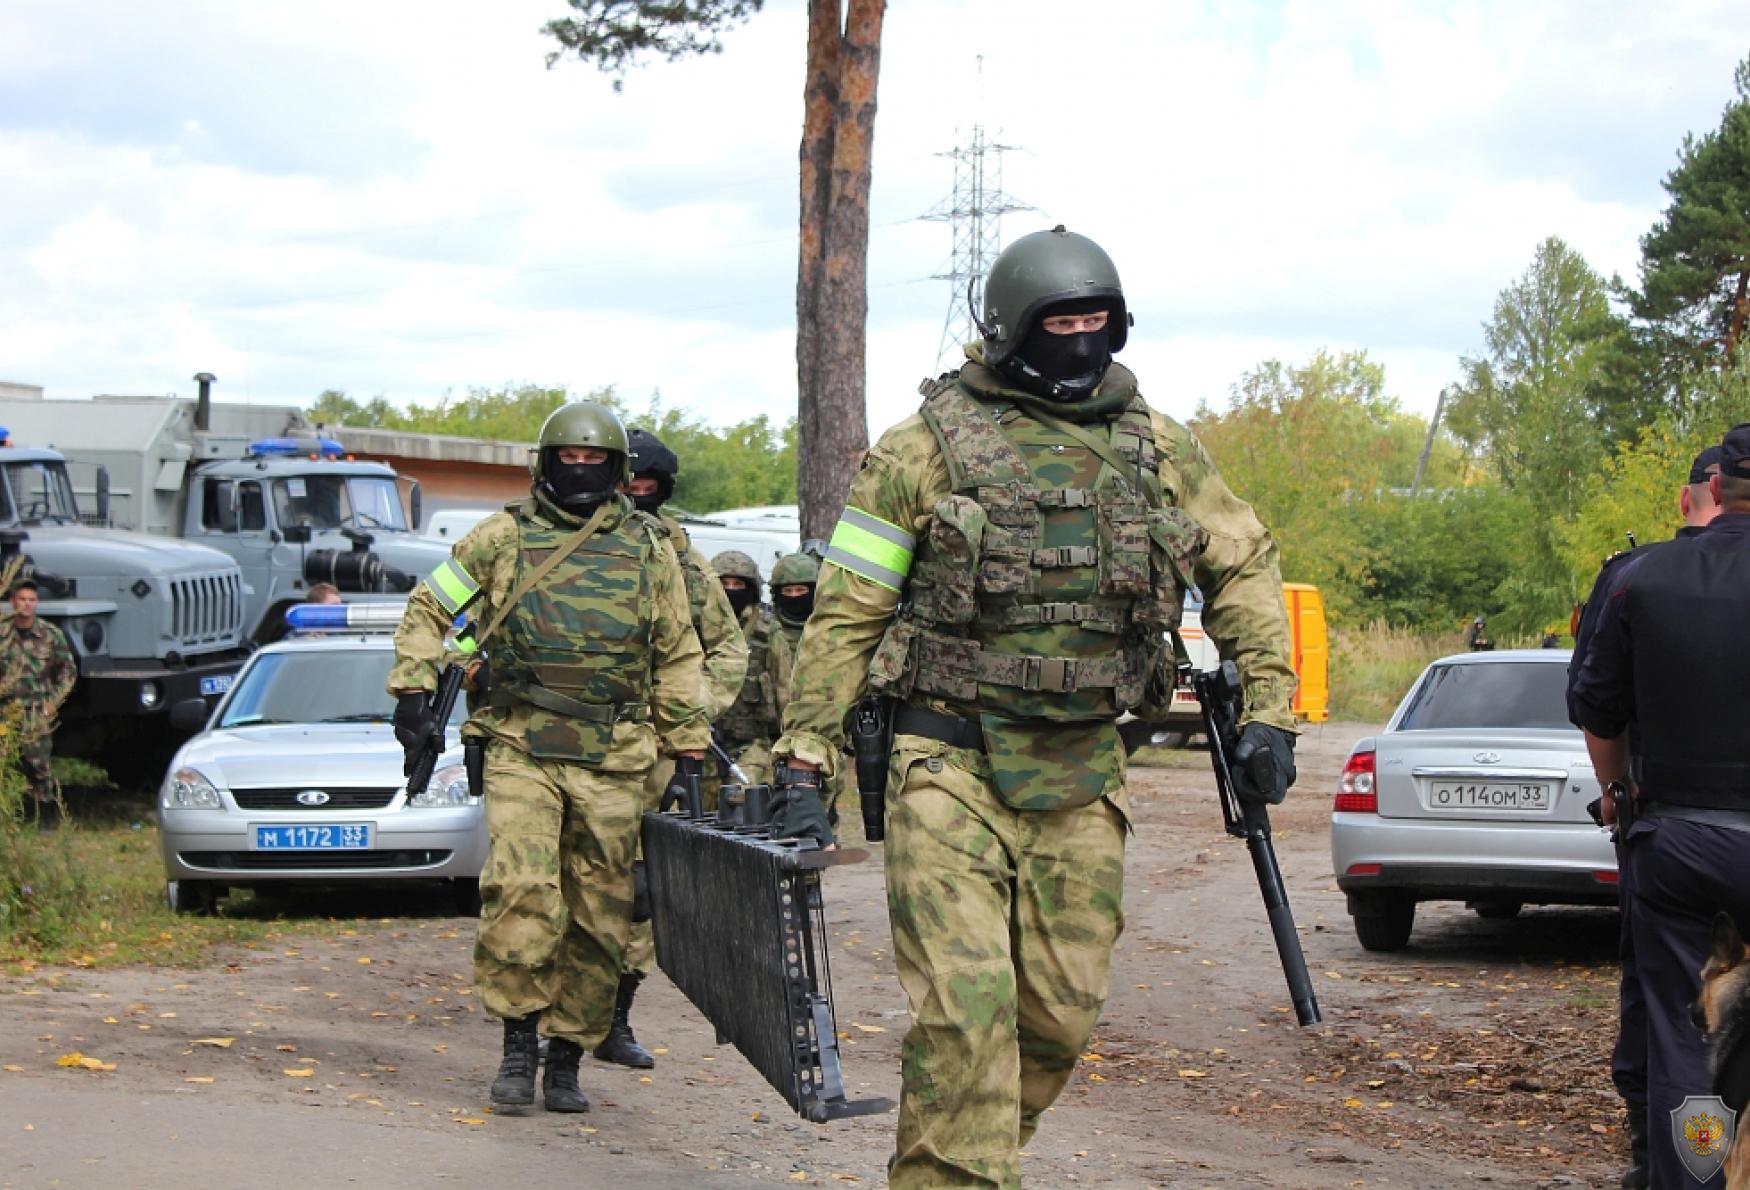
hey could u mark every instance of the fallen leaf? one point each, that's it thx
(14, 1070)
(110, 1020)
(77, 1060)
(645, 1078)
(846, 1177)
(286, 1049)
(198, 1079)
(167, 1016)
(799, 1176)
(1093, 1057)
(363, 960)
(1096, 1078)
(1193, 1074)
(223, 1043)
(1351, 1102)
(469, 1120)
(440, 1049)
(862, 1028)
(299, 1072)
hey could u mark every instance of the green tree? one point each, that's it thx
(1695, 262)
(838, 135)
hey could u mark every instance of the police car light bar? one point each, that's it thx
(338, 617)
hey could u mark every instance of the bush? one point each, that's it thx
(43, 887)
(1372, 668)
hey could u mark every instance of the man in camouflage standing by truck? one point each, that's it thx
(748, 728)
(1004, 571)
(593, 660)
(654, 468)
(38, 669)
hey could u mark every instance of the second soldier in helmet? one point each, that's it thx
(751, 724)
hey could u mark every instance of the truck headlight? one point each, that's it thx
(447, 787)
(186, 789)
(150, 695)
(92, 635)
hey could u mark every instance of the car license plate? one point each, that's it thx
(348, 836)
(217, 684)
(1490, 795)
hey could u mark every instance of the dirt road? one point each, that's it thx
(1478, 1055)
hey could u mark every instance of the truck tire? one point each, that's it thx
(197, 898)
(1383, 920)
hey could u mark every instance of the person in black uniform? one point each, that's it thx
(1628, 1061)
(1670, 654)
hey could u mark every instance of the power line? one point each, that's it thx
(974, 215)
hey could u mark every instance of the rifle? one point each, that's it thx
(442, 705)
(1218, 692)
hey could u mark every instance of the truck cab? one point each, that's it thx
(150, 621)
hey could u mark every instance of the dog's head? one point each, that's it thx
(1725, 978)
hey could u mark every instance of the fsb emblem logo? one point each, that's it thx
(1701, 1129)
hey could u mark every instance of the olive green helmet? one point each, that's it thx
(581, 423)
(795, 568)
(1042, 269)
(735, 564)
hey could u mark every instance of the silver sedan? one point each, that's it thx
(1476, 791)
(297, 777)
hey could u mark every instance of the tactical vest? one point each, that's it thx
(575, 652)
(1046, 580)
(754, 715)
(1692, 675)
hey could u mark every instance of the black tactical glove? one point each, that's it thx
(414, 723)
(797, 810)
(640, 893)
(1263, 765)
(688, 771)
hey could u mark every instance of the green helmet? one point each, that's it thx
(795, 568)
(1043, 269)
(735, 564)
(581, 423)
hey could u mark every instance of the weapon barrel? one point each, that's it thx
(1276, 908)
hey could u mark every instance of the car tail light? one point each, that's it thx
(1606, 876)
(1355, 792)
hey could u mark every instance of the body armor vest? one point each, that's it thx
(576, 649)
(1689, 613)
(754, 715)
(1046, 581)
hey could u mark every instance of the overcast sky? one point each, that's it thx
(397, 198)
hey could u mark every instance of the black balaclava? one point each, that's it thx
(652, 460)
(742, 598)
(795, 608)
(579, 487)
(1063, 367)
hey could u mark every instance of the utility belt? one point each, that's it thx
(1735, 819)
(504, 698)
(954, 730)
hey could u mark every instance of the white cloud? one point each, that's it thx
(398, 198)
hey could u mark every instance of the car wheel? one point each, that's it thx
(465, 897)
(1383, 921)
(1497, 910)
(197, 897)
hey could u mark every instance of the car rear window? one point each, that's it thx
(322, 685)
(1501, 694)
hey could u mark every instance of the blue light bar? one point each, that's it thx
(338, 617)
(291, 447)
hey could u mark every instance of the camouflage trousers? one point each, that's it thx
(1003, 926)
(556, 892)
(35, 761)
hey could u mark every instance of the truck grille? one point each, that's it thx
(287, 799)
(206, 612)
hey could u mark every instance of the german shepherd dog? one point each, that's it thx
(1722, 1013)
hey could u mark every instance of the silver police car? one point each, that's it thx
(297, 777)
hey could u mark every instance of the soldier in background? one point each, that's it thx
(750, 726)
(38, 669)
(794, 580)
(572, 723)
(1005, 569)
(654, 467)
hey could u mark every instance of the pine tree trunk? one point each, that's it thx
(832, 293)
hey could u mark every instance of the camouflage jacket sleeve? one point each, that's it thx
(1238, 573)
(721, 637)
(677, 707)
(901, 480)
(487, 556)
(780, 664)
(62, 669)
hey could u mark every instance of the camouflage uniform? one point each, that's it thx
(790, 633)
(39, 671)
(607, 632)
(753, 722)
(1044, 575)
(726, 657)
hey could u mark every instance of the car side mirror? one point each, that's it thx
(415, 505)
(189, 715)
(297, 534)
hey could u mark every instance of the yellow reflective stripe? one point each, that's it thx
(866, 545)
(454, 587)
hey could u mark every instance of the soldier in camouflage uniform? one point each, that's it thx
(1005, 570)
(654, 468)
(38, 669)
(748, 728)
(794, 580)
(593, 660)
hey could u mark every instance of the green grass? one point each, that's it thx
(1372, 668)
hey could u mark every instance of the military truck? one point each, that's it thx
(151, 622)
(288, 504)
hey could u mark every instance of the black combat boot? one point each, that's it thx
(1638, 1176)
(515, 1084)
(619, 1046)
(559, 1089)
